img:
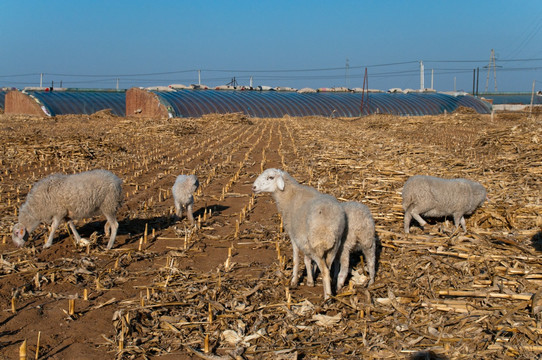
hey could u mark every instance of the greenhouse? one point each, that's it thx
(276, 104)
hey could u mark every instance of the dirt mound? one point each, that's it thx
(103, 114)
(233, 118)
(465, 110)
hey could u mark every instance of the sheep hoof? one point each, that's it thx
(83, 242)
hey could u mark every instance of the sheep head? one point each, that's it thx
(19, 235)
(480, 194)
(271, 180)
(194, 182)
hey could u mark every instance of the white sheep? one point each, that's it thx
(314, 221)
(435, 197)
(359, 235)
(183, 190)
(70, 197)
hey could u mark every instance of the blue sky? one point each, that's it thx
(288, 43)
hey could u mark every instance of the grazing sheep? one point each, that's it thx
(70, 197)
(183, 190)
(359, 235)
(314, 221)
(434, 197)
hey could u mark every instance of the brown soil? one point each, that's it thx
(461, 295)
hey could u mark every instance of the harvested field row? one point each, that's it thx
(169, 291)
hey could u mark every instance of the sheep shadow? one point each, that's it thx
(132, 227)
(215, 209)
(427, 355)
(53, 351)
(536, 241)
(443, 223)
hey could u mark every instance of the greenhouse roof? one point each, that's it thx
(81, 102)
(195, 103)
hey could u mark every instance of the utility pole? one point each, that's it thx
(477, 79)
(199, 77)
(346, 77)
(532, 99)
(41, 80)
(432, 74)
(233, 82)
(422, 78)
(473, 82)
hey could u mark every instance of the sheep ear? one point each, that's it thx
(280, 183)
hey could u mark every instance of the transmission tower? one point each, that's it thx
(365, 95)
(488, 66)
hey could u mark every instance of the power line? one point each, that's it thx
(528, 34)
(266, 71)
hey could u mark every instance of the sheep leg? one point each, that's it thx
(344, 264)
(325, 276)
(54, 226)
(107, 228)
(295, 271)
(460, 220)
(74, 231)
(308, 266)
(189, 213)
(369, 255)
(418, 218)
(178, 209)
(333, 263)
(408, 218)
(114, 226)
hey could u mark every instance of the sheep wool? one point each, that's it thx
(183, 189)
(70, 197)
(314, 221)
(435, 197)
(359, 235)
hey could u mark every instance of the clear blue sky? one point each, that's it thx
(144, 43)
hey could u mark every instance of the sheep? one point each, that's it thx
(315, 222)
(60, 197)
(359, 235)
(434, 197)
(183, 189)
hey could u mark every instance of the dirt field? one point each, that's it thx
(460, 295)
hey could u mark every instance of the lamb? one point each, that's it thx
(359, 235)
(183, 189)
(314, 221)
(434, 197)
(70, 197)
